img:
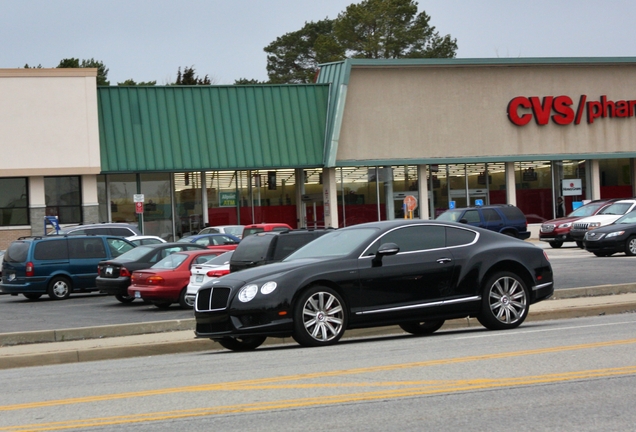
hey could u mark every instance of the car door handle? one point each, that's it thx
(444, 260)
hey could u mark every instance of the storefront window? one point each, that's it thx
(188, 204)
(122, 188)
(63, 198)
(615, 178)
(14, 201)
(157, 216)
(534, 190)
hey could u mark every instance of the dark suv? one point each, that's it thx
(502, 218)
(57, 265)
(272, 246)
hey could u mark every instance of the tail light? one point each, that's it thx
(154, 280)
(124, 272)
(217, 273)
(30, 271)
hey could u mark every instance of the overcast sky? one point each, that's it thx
(147, 40)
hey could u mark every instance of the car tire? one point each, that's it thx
(630, 246)
(59, 288)
(555, 244)
(505, 301)
(422, 328)
(247, 343)
(320, 317)
(125, 298)
(32, 296)
(182, 299)
(601, 254)
(580, 245)
(162, 305)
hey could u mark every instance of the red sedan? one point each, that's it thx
(165, 282)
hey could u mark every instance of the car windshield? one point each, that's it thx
(616, 209)
(629, 218)
(450, 215)
(135, 253)
(235, 231)
(222, 259)
(335, 244)
(586, 210)
(170, 262)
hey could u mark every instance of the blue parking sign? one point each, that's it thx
(479, 202)
(451, 204)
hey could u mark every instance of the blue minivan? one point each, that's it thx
(57, 265)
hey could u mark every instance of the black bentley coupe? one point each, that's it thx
(411, 273)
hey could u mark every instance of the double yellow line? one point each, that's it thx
(399, 389)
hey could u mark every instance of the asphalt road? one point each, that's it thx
(573, 268)
(574, 374)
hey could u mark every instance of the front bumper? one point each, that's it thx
(605, 246)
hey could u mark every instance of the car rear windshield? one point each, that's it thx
(17, 251)
(450, 215)
(135, 253)
(170, 262)
(253, 248)
(222, 259)
(250, 231)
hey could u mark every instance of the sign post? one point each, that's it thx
(139, 209)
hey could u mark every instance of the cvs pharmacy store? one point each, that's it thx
(453, 131)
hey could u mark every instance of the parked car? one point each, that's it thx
(557, 231)
(262, 227)
(165, 282)
(617, 237)
(114, 274)
(112, 229)
(202, 273)
(604, 217)
(502, 218)
(57, 265)
(216, 241)
(235, 230)
(1, 259)
(272, 246)
(140, 240)
(414, 274)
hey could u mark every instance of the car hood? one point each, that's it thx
(600, 218)
(614, 227)
(559, 221)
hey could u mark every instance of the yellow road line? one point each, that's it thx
(450, 386)
(237, 385)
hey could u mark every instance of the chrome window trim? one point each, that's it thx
(420, 305)
(477, 235)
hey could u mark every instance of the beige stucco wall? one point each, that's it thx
(48, 122)
(460, 112)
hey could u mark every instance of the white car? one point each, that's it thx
(145, 239)
(235, 230)
(605, 217)
(202, 273)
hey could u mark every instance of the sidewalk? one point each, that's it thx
(169, 337)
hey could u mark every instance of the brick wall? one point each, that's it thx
(7, 236)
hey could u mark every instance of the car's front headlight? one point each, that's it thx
(593, 225)
(565, 225)
(615, 234)
(268, 287)
(247, 293)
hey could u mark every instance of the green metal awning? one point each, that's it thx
(200, 128)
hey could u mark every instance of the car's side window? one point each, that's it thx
(121, 232)
(79, 248)
(118, 247)
(413, 238)
(491, 215)
(205, 241)
(51, 250)
(472, 216)
(459, 237)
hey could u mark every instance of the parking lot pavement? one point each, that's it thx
(170, 337)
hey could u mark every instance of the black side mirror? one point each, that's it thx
(464, 221)
(383, 250)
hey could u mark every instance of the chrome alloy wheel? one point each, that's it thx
(508, 300)
(323, 316)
